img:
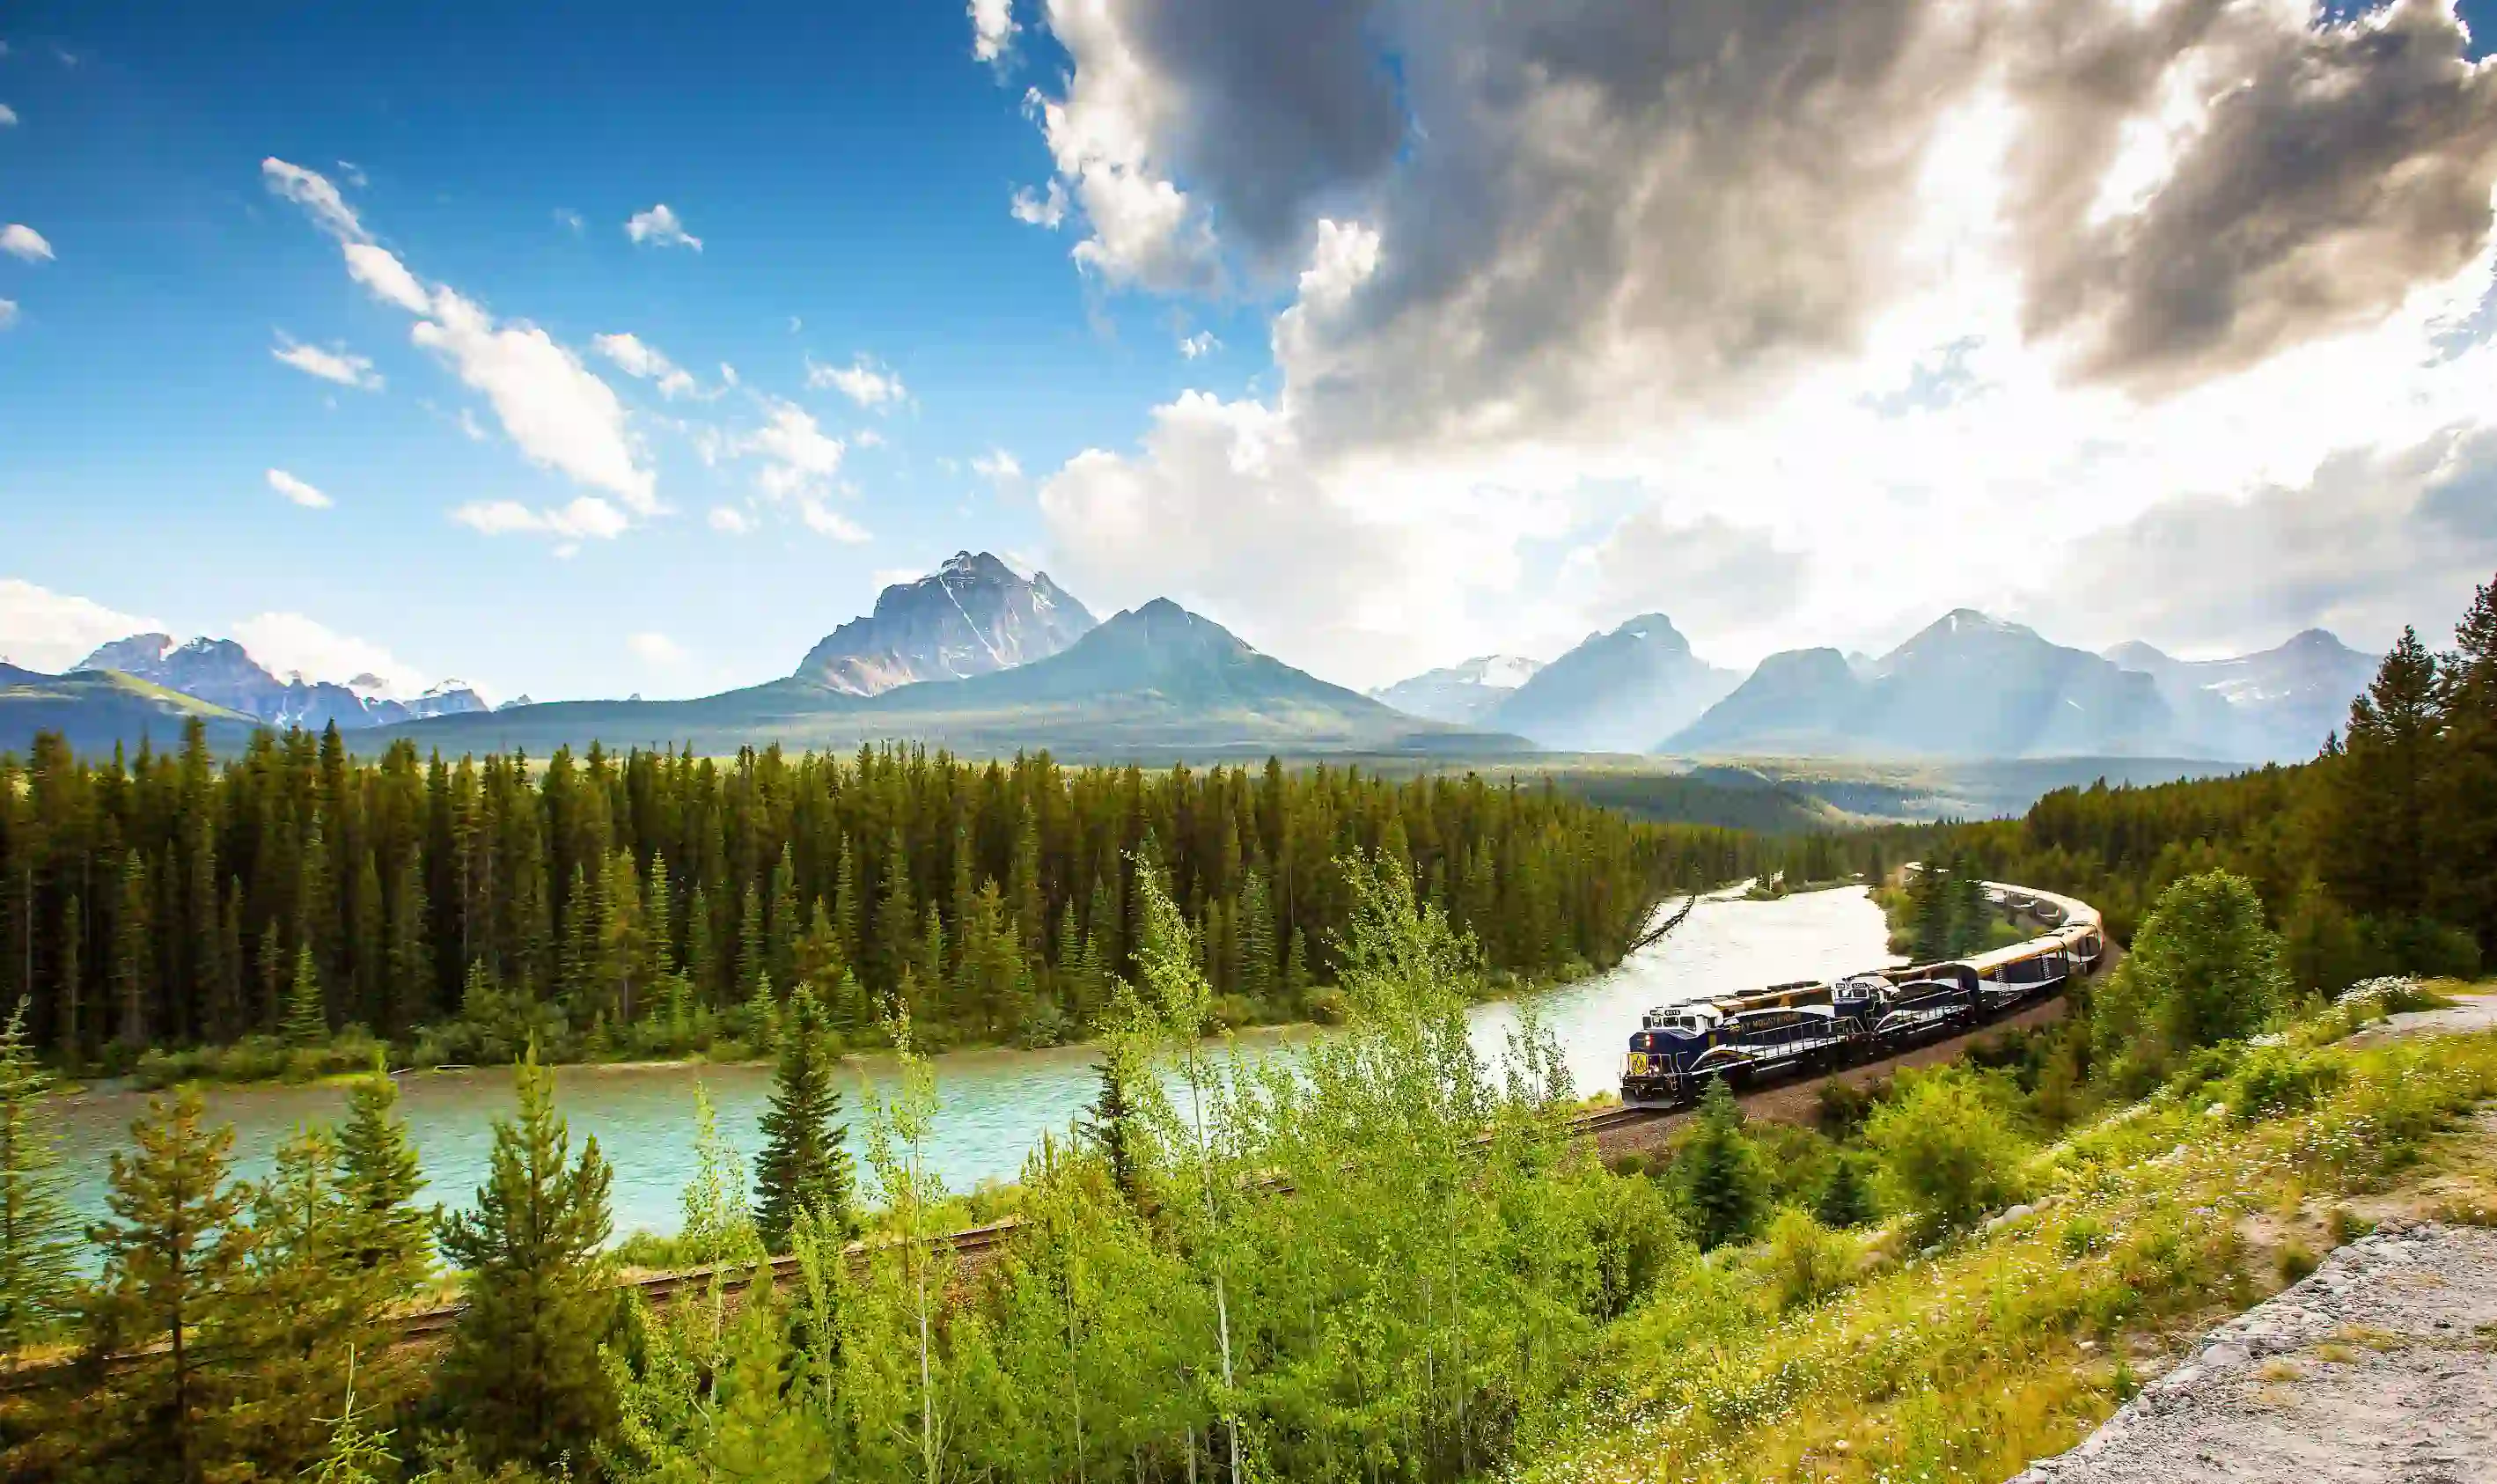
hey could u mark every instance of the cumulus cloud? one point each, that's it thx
(289, 644)
(1046, 210)
(1877, 299)
(298, 491)
(999, 467)
(797, 457)
(637, 358)
(656, 649)
(864, 381)
(660, 228)
(315, 193)
(993, 29)
(587, 517)
(731, 520)
(334, 365)
(21, 241)
(41, 629)
(1199, 345)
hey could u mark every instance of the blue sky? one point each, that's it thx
(846, 168)
(1510, 329)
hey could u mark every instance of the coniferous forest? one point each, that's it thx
(653, 903)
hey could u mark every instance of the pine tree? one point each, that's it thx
(1845, 1200)
(702, 959)
(379, 1176)
(308, 1023)
(73, 1000)
(1723, 1178)
(2376, 821)
(524, 1373)
(1111, 1124)
(751, 968)
(37, 1238)
(172, 1251)
(805, 1165)
(134, 953)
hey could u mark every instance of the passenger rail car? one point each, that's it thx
(1789, 1029)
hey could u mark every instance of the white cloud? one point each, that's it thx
(797, 457)
(289, 644)
(298, 491)
(660, 228)
(1199, 345)
(337, 365)
(731, 520)
(19, 241)
(567, 217)
(993, 29)
(824, 521)
(656, 649)
(41, 629)
(470, 427)
(866, 382)
(552, 408)
(354, 174)
(1048, 210)
(638, 358)
(999, 467)
(387, 279)
(313, 192)
(585, 517)
(8, 116)
(8, 312)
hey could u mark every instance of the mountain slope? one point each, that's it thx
(1966, 686)
(1616, 692)
(2274, 706)
(222, 674)
(973, 615)
(95, 709)
(1158, 681)
(1460, 693)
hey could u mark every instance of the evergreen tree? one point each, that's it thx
(805, 1164)
(134, 953)
(2376, 823)
(308, 1023)
(1113, 1126)
(523, 1373)
(37, 1238)
(173, 1252)
(1724, 1181)
(1845, 1200)
(72, 1001)
(386, 1233)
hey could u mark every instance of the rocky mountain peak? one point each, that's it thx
(972, 615)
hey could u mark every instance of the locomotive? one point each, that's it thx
(1809, 1026)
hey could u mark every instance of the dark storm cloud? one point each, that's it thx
(2340, 166)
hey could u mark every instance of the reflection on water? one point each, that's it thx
(997, 1103)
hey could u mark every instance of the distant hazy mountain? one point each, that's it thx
(973, 615)
(1156, 682)
(1460, 693)
(222, 674)
(2276, 705)
(1616, 692)
(1968, 686)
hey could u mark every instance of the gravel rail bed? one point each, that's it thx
(2380, 1366)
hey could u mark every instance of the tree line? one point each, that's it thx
(2377, 857)
(614, 904)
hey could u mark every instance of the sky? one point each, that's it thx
(578, 349)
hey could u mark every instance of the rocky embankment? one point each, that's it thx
(2380, 1366)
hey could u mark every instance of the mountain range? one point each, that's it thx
(222, 674)
(981, 659)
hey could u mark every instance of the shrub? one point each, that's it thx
(1947, 1152)
(2204, 969)
(2275, 1080)
(1722, 1181)
(1805, 1261)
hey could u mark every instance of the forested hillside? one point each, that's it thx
(2379, 856)
(615, 904)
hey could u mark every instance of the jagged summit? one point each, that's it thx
(972, 615)
(1460, 693)
(1615, 692)
(224, 673)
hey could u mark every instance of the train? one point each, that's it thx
(1814, 1026)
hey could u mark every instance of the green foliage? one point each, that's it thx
(522, 1374)
(1722, 1179)
(37, 1236)
(2204, 969)
(173, 1252)
(633, 904)
(805, 1165)
(1846, 1197)
(1945, 1151)
(384, 1232)
(1804, 1262)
